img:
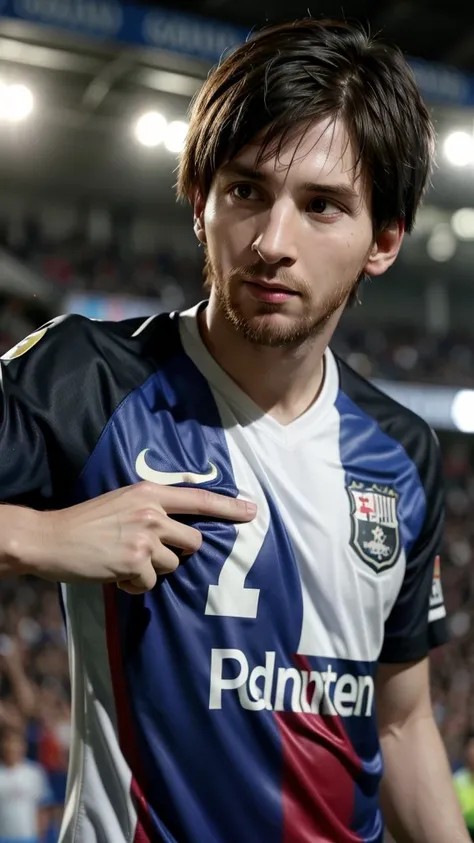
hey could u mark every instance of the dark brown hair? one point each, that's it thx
(287, 76)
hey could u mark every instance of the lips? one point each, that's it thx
(273, 288)
(270, 293)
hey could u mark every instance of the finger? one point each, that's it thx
(179, 501)
(164, 561)
(181, 536)
(144, 581)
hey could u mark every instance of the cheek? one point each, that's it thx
(350, 256)
(210, 210)
(334, 260)
(215, 224)
(209, 218)
(229, 240)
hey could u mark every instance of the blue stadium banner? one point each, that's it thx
(442, 84)
(194, 36)
(110, 20)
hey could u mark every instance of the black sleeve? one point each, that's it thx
(42, 412)
(58, 389)
(417, 621)
(56, 393)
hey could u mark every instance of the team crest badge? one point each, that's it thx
(24, 345)
(375, 533)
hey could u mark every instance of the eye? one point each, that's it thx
(244, 191)
(324, 207)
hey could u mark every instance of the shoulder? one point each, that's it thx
(399, 423)
(72, 353)
(33, 771)
(27, 770)
(58, 389)
(64, 337)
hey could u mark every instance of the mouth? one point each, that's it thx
(273, 287)
(270, 292)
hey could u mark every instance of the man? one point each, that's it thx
(25, 796)
(226, 691)
(464, 785)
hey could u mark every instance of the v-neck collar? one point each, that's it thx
(245, 409)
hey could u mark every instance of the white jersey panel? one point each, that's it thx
(345, 604)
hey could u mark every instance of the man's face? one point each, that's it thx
(301, 223)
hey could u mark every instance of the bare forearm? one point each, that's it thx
(418, 799)
(21, 541)
(23, 691)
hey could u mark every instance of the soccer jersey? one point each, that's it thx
(235, 701)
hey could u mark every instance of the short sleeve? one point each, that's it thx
(417, 622)
(58, 389)
(29, 406)
(45, 421)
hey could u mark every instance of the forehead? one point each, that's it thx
(321, 153)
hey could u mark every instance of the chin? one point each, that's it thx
(272, 330)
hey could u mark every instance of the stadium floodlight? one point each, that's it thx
(459, 149)
(462, 223)
(175, 135)
(16, 102)
(441, 246)
(150, 128)
(462, 410)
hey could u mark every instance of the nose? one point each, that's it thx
(276, 240)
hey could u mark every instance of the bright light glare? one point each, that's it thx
(16, 102)
(462, 223)
(176, 135)
(462, 410)
(442, 244)
(459, 149)
(150, 128)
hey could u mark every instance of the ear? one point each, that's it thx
(199, 229)
(385, 249)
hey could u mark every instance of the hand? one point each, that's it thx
(125, 536)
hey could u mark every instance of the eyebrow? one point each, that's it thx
(338, 191)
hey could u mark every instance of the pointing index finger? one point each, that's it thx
(184, 501)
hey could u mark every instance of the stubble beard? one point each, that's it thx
(258, 330)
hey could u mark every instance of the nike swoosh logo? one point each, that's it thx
(169, 478)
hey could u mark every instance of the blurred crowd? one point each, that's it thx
(403, 353)
(81, 264)
(34, 684)
(34, 689)
(453, 665)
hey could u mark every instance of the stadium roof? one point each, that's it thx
(431, 29)
(89, 91)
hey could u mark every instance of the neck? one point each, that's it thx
(283, 382)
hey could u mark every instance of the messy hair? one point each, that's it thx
(286, 77)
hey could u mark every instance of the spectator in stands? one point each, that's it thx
(464, 785)
(24, 792)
